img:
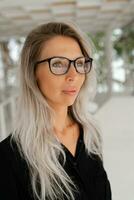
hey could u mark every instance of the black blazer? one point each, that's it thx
(88, 174)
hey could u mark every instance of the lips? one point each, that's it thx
(70, 90)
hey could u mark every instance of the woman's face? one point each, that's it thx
(56, 88)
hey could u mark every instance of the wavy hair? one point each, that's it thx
(33, 131)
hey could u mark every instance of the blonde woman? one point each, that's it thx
(55, 150)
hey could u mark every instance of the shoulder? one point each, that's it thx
(8, 154)
(5, 142)
(10, 157)
(14, 172)
(7, 178)
(5, 146)
(8, 149)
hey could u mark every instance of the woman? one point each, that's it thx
(55, 149)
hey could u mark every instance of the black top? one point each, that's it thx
(87, 173)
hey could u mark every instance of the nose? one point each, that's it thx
(72, 73)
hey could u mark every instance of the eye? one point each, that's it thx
(57, 64)
(80, 63)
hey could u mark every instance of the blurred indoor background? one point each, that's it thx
(110, 25)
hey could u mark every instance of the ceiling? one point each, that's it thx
(17, 18)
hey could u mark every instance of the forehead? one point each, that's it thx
(61, 46)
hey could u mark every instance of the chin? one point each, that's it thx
(70, 103)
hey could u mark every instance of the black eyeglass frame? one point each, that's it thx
(88, 59)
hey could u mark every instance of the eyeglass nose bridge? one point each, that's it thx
(69, 65)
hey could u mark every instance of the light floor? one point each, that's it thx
(116, 119)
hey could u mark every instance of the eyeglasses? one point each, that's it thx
(60, 65)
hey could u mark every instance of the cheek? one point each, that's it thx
(82, 80)
(48, 86)
(43, 80)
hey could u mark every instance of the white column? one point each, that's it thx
(127, 75)
(108, 52)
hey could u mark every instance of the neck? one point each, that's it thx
(62, 120)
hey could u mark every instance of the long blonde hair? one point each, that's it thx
(33, 130)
